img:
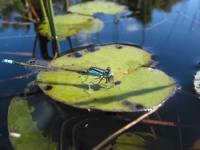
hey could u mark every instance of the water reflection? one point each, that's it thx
(142, 10)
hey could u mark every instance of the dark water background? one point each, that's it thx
(170, 30)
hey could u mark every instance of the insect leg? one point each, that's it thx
(92, 82)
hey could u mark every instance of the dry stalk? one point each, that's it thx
(125, 128)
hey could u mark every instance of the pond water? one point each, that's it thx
(170, 30)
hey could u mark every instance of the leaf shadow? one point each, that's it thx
(83, 85)
(122, 97)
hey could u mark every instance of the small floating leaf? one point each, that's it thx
(94, 7)
(24, 133)
(140, 87)
(71, 24)
(141, 141)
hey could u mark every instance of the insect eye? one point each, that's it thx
(107, 69)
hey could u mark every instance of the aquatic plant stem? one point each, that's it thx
(53, 27)
(43, 9)
(180, 135)
(125, 128)
(67, 4)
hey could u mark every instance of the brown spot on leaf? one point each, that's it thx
(48, 87)
(130, 105)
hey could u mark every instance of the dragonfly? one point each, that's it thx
(91, 71)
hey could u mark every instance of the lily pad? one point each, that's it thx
(196, 144)
(90, 8)
(197, 82)
(141, 141)
(141, 88)
(71, 24)
(24, 132)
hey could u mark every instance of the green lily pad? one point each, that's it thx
(24, 132)
(141, 141)
(71, 24)
(90, 8)
(141, 88)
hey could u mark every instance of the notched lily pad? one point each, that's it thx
(141, 141)
(140, 88)
(24, 133)
(71, 24)
(90, 8)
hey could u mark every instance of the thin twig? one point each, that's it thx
(163, 123)
(152, 130)
(18, 77)
(55, 56)
(125, 128)
(158, 122)
(179, 130)
(33, 10)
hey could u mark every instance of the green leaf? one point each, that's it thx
(90, 8)
(71, 24)
(141, 88)
(141, 141)
(20, 123)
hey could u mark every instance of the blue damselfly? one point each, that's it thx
(91, 71)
